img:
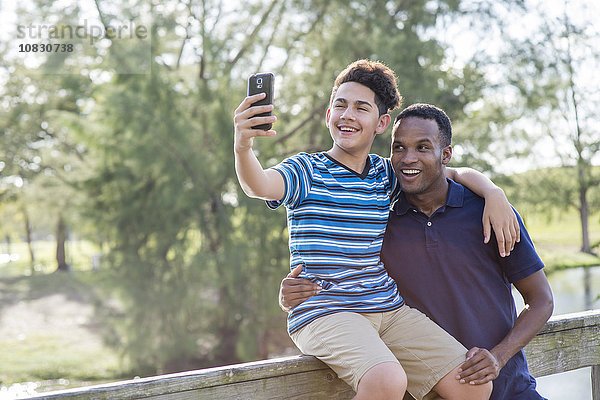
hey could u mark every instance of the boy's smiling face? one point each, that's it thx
(353, 118)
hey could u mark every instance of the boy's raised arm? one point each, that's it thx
(255, 181)
(497, 214)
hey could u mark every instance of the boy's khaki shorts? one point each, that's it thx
(352, 343)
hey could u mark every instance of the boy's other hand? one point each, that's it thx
(244, 120)
(294, 291)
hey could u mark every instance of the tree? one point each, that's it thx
(549, 72)
(37, 105)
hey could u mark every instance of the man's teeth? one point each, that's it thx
(410, 171)
(344, 129)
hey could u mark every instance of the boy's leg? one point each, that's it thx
(349, 343)
(427, 353)
(383, 381)
(450, 388)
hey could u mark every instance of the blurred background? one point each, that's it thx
(126, 245)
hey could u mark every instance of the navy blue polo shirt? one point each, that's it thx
(443, 268)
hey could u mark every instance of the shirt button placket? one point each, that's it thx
(429, 235)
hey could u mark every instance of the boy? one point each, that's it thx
(338, 204)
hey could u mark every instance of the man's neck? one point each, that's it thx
(432, 199)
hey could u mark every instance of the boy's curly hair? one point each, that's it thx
(377, 77)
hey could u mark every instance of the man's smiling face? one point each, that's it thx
(417, 155)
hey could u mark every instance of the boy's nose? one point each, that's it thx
(348, 113)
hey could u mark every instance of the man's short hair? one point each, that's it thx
(377, 77)
(428, 111)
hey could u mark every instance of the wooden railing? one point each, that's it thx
(566, 342)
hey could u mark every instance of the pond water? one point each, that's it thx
(569, 296)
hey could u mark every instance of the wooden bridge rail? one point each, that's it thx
(566, 342)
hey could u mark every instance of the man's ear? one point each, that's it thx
(446, 155)
(384, 122)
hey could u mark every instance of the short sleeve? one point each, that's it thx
(297, 173)
(523, 260)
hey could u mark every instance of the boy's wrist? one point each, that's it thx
(239, 148)
(494, 192)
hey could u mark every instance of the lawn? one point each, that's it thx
(558, 241)
(51, 336)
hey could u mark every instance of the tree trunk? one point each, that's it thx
(28, 239)
(584, 216)
(61, 239)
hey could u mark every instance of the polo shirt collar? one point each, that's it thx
(456, 196)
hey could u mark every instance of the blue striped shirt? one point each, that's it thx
(336, 222)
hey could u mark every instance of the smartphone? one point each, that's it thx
(259, 83)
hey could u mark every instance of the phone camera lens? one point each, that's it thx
(259, 81)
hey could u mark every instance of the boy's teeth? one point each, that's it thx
(411, 171)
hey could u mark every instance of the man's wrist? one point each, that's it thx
(500, 356)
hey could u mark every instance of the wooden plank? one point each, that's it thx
(315, 385)
(318, 378)
(566, 342)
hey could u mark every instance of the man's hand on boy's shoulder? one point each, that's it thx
(294, 291)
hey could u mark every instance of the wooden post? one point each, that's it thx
(595, 382)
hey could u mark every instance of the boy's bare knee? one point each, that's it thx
(449, 388)
(383, 381)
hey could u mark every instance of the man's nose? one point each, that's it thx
(410, 156)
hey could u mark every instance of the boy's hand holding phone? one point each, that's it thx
(245, 118)
(254, 117)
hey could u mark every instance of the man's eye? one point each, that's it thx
(362, 109)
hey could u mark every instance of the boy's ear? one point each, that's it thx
(446, 154)
(327, 117)
(384, 122)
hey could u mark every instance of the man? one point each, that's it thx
(432, 248)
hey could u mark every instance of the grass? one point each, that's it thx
(558, 241)
(79, 255)
(50, 332)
